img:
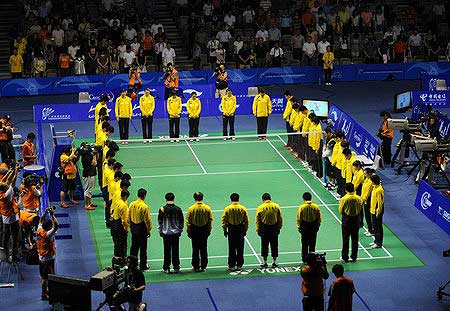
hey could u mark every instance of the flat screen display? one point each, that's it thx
(319, 107)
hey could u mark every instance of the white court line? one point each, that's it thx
(255, 208)
(310, 188)
(280, 264)
(216, 173)
(383, 248)
(196, 144)
(195, 156)
(253, 250)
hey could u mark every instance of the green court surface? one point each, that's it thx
(249, 167)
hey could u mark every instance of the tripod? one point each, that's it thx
(432, 169)
(441, 293)
(404, 146)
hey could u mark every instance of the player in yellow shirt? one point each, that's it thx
(174, 110)
(141, 226)
(120, 225)
(262, 109)
(315, 142)
(104, 98)
(357, 181)
(124, 112)
(304, 127)
(377, 211)
(147, 106)
(328, 63)
(286, 117)
(268, 225)
(228, 105)
(308, 224)
(15, 65)
(194, 107)
(235, 226)
(366, 193)
(198, 226)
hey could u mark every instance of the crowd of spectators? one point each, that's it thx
(73, 38)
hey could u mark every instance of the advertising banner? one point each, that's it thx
(435, 99)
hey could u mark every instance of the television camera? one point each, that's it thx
(87, 149)
(33, 179)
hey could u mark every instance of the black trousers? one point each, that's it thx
(225, 121)
(368, 216)
(350, 229)
(269, 235)
(7, 150)
(313, 303)
(302, 146)
(377, 223)
(100, 169)
(199, 238)
(10, 239)
(236, 235)
(105, 195)
(171, 251)
(309, 237)
(139, 243)
(316, 161)
(327, 73)
(119, 236)
(174, 127)
(386, 146)
(193, 127)
(261, 124)
(289, 129)
(147, 127)
(124, 127)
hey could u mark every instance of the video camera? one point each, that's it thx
(87, 149)
(316, 259)
(33, 180)
(432, 145)
(404, 125)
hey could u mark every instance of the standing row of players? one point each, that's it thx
(358, 198)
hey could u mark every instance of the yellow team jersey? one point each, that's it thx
(16, 63)
(315, 136)
(328, 60)
(358, 179)
(308, 212)
(194, 107)
(120, 211)
(347, 168)
(99, 106)
(366, 189)
(107, 174)
(147, 105)
(123, 107)
(174, 106)
(377, 200)
(199, 215)
(350, 204)
(262, 105)
(235, 214)
(287, 111)
(228, 105)
(140, 213)
(268, 213)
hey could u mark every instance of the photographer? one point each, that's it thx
(313, 275)
(222, 81)
(9, 210)
(46, 248)
(6, 137)
(386, 135)
(136, 281)
(31, 190)
(89, 163)
(28, 225)
(69, 173)
(171, 80)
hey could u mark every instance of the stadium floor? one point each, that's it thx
(249, 167)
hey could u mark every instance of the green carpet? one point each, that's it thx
(250, 168)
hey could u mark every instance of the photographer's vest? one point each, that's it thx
(7, 207)
(172, 79)
(45, 245)
(30, 201)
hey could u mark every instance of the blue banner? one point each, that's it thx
(429, 81)
(420, 109)
(97, 84)
(433, 205)
(435, 99)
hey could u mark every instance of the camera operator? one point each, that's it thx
(136, 281)
(9, 209)
(68, 160)
(46, 248)
(222, 81)
(6, 137)
(171, 80)
(28, 226)
(432, 127)
(386, 135)
(31, 190)
(89, 163)
(313, 275)
(341, 291)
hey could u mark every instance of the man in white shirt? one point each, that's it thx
(154, 28)
(229, 21)
(322, 48)
(72, 50)
(224, 36)
(398, 28)
(309, 53)
(58, 36)
(212, 46)
(276, 53)
(159, 48)
(66, 22)
(414, 43)
(128, 59)
(262, 33)
(129, 33)
(168, 55)
(135, 45)
(248, 16)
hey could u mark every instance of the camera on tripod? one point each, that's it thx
(404, 125)
(87, 149)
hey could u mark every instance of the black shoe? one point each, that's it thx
(264, 265)
(144, 269)
(274, 265)
(344, 260)
(176, 271)
(352, 260)
(166, 271)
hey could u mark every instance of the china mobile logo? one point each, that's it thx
(46, 112)
(423, 97)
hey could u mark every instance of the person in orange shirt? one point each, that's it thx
(28, 224)
(400, 47)
(46, 248)
(31, 194)
(313, 275)
(64, 64)
(386, 135)
(28, 155)
(171, 80)
(147, 43)
(67, 160)
(135, 83)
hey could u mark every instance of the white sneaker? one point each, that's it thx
(149, 141)
(197, 139)
(144, 141)
(123, 143)
(372, 243)
(375, 246)
(367, 233)
(178, 140)
(225, 138)
(171, 140)
(191, 140)
(126, 143)
(233, 138)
